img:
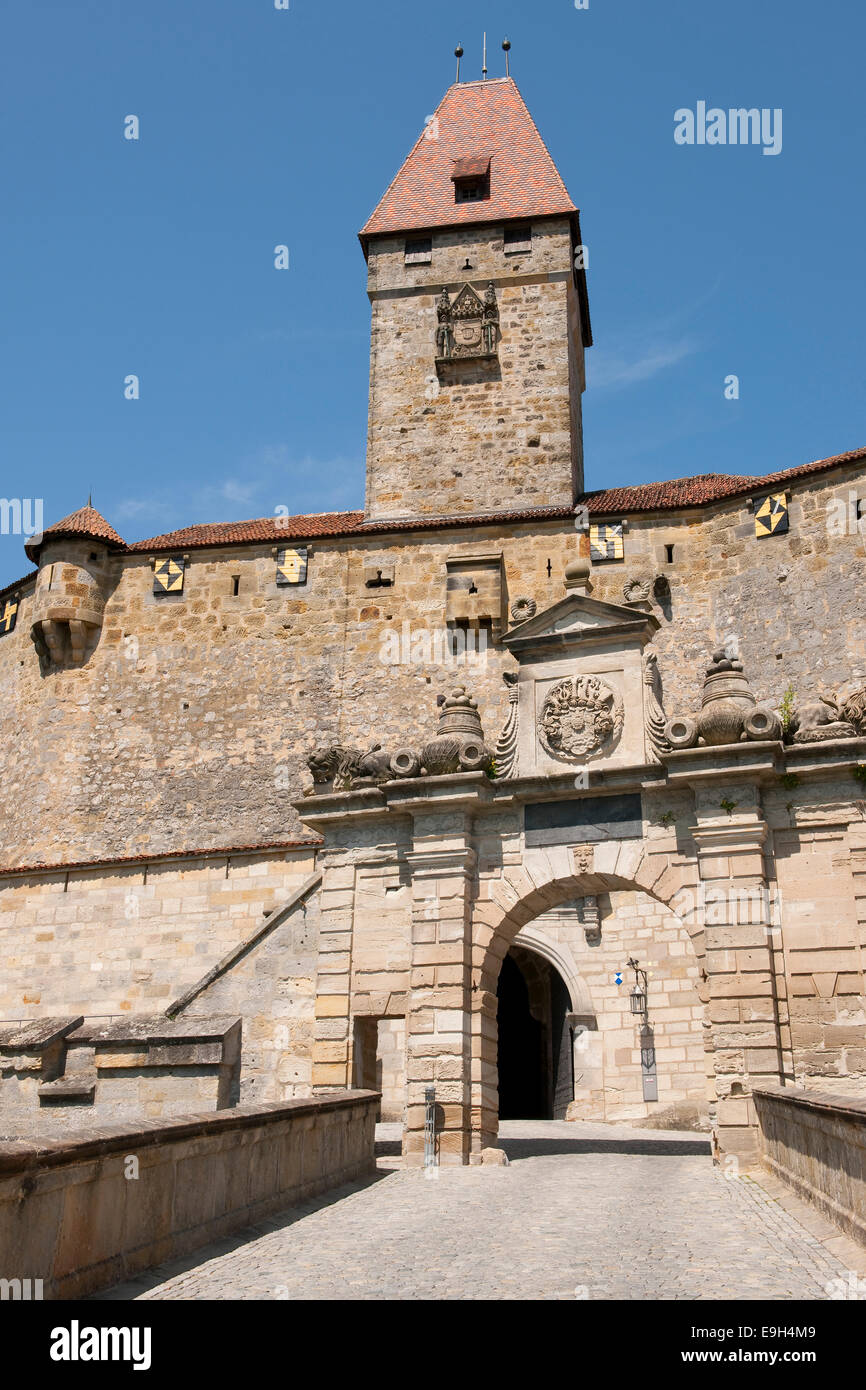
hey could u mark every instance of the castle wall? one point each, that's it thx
(190, 723)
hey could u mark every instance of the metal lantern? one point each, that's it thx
(638, 996)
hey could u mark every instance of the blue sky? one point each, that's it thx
(260, 127)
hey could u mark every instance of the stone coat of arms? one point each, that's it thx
(468, 327)
(579, 717)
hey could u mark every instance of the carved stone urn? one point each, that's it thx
(459, 743)
(726, 701)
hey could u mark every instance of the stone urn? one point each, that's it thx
(726, 701)
(459, 743)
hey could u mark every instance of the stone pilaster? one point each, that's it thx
(438, 1025)
(733, 901)
(331, 1050)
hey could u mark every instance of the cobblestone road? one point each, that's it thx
(583, 1211)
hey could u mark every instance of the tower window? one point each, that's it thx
(419, 251)
(518, 240)
(471, 177)
(236, 584)
(471, 192)
(669, 554)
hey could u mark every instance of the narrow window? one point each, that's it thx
(236, 584)
(669, 554)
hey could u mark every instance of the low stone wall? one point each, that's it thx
(91, 1209)
(817, 1144)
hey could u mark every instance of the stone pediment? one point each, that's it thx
(578, 618)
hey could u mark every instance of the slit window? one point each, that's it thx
(236, 584)
(669, 554)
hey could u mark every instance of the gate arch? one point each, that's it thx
(546, 880)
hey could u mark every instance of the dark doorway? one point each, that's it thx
(535, 1066)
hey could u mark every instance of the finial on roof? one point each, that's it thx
(90, 499)
(458, 54)
(506, 45)
(484, 62)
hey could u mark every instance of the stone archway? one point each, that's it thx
(546, 879)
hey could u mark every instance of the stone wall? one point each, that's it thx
(218, 934)
(57, 1076)
(190, 722)
(479, 435)
(817, 1144)
(91, 1210)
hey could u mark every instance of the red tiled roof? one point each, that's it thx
(475, 167)
(266, 528)
(474, 120)
(645, 497)
(87, 522)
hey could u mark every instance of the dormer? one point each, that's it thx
(471, 178)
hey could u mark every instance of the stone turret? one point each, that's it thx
(72, 585)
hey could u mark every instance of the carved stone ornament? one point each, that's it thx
(854, 710)
(654, 715)
(820, 720)
(467, 327)
(522, 609)
(458, 747)
(584, 858)
(637, 590)
(506, 752)
(580, 716)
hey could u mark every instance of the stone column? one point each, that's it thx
(331, 1051)
(438, 1022)
(734, 905)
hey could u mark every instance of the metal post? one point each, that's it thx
(429, 1126)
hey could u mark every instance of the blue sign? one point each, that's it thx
(618, 977)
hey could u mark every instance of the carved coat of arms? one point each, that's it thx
(468, 326)
(579, 717)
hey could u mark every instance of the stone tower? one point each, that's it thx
(479, 319)
(74, 580)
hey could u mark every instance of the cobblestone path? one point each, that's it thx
(583, 1211)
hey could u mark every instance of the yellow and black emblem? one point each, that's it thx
(8, 616)
(771, 515)
(606, 542)
(168, 575)
(292, 566)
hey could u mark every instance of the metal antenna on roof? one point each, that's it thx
(484, 68)
(458, 54)
(506, 45)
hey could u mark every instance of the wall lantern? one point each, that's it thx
(638, 996)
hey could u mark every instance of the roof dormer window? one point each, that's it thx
(471, 179)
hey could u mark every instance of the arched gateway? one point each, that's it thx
(435, 861)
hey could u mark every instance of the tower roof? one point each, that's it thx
(474, 122)
(85, 524)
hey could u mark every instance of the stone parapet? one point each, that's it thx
(817, 1144)
(99, 1206)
